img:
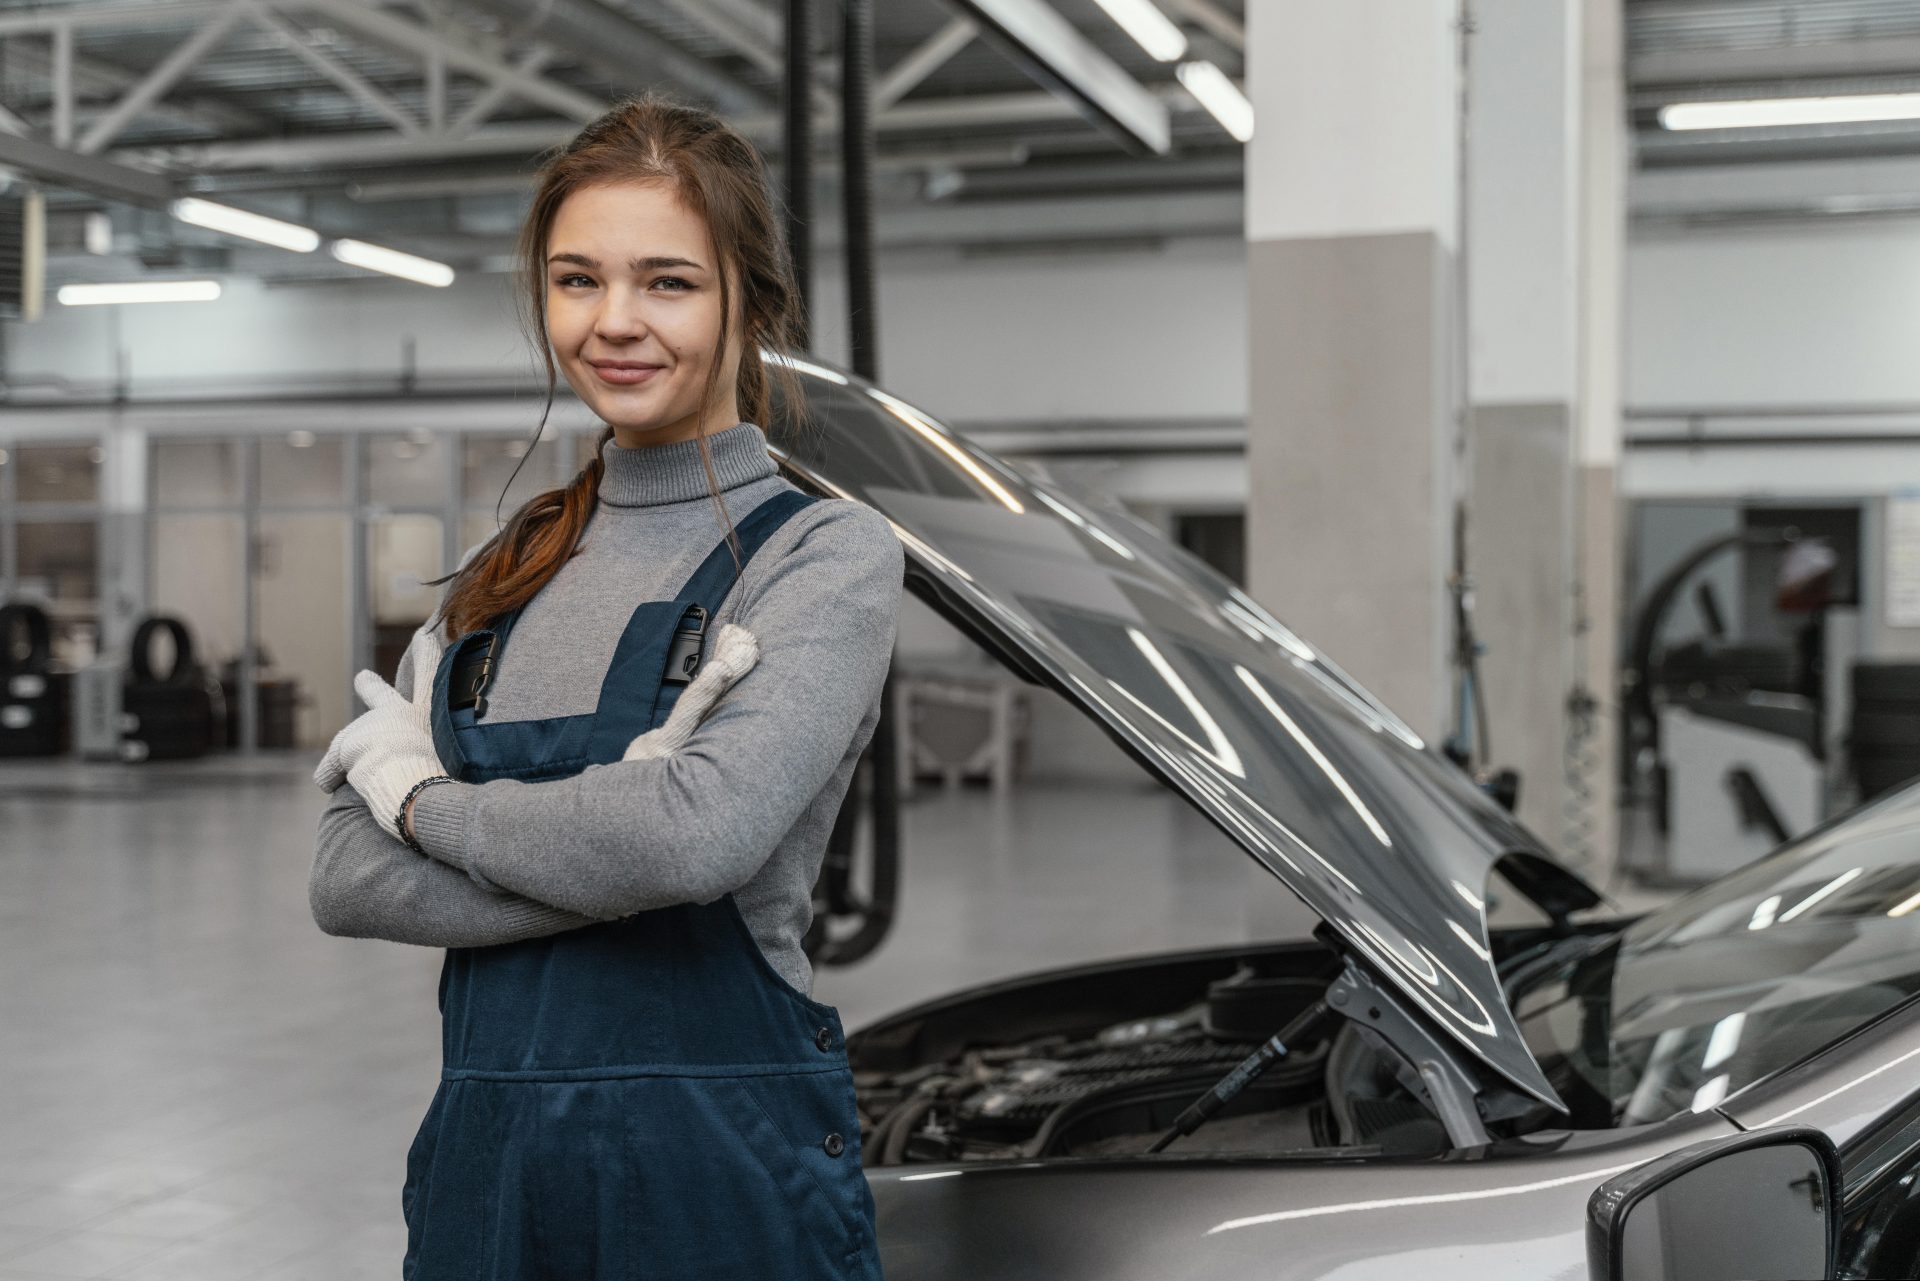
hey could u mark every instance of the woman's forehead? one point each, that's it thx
(629, 219)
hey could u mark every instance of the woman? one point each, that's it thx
(636, 1080)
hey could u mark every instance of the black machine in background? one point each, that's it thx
(1883, 736)
(35, 696)
(1750, 731)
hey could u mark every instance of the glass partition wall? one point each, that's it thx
(50, 538)
(313, 550)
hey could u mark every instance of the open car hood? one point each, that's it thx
(1375, 831)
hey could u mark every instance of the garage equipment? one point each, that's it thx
(173, 714)
(1728, 733)
(1883, 737)
(34, 715)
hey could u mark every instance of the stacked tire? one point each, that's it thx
(1885, 735)
(173, 714)
(35, 712)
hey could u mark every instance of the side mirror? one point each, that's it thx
(1754, 1207)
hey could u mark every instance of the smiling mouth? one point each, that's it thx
(624, 374)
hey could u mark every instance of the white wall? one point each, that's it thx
(1822, 314)
(1135, 335)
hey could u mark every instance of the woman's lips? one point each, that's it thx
(624, 377)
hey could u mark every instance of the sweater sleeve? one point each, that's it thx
(628, 836)
(366, 884)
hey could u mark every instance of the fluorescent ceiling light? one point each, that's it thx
(359, 253)
(1150, 29)
(140, 291)
(1757, 113)
(238, 222)
(1054, 52)
(1219, 95)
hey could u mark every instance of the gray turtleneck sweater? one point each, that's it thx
(744, 806)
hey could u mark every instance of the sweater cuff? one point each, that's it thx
(440, 824)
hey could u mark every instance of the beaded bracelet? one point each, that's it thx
(400, 821)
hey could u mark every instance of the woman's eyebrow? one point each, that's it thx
(633, 264)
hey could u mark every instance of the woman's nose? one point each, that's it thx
(620, 318)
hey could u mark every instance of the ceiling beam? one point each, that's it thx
(1684, 68)
(459, 51)
(932, 54)
(157, 81)
(88, 74)
(623, 51)
(764, 128)
(529, 63)
(63, 167)
(294, 40)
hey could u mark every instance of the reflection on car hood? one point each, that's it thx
(1380, 835)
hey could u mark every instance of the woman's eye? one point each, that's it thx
(674, 280)
(571, 276)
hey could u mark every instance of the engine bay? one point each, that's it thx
(1101, 1063)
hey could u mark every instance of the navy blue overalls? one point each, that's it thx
(646, 1097)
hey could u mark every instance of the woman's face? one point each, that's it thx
(632, 279)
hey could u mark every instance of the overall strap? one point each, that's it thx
(709, 584)
(659, 653)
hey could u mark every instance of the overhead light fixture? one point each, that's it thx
(1222, 98)
(1151, 29)
(1054, 52)
(358, 253)
(238, 222)
(139, 291)
(1761, 113)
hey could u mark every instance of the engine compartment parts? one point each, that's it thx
(1135, 1086)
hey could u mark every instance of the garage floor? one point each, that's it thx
(199, 1084)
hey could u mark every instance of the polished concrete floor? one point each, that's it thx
(195, 1082)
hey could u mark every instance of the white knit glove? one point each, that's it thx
(735, 650)
(388, 748)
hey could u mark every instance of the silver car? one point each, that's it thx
(1727, 1087)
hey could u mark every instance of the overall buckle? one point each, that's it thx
(471, 672)
(683, 655)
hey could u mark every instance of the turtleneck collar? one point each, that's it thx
(649, 475)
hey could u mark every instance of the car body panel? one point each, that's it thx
(1372, 828)
(1844, 1089)
(1516, 1209)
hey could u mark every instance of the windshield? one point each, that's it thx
(1735, 981)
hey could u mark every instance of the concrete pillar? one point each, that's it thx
(1352, 204)
(1522, 257)
(1351, 207)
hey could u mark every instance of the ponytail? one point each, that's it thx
(517, 561)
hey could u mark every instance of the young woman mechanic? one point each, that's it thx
(619, 860)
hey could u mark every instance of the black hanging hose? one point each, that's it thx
(835, 897)
(856, 186)
(797, 158)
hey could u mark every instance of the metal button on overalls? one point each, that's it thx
(641, 1097)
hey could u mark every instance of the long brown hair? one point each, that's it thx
(719, 175)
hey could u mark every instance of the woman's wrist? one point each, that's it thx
(405, 820)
